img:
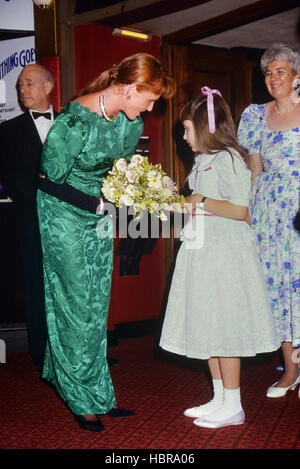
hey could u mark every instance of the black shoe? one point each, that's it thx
(119, 412)
(91, 425)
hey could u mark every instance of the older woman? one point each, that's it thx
(271, 134)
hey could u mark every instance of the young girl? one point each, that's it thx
(218, 308)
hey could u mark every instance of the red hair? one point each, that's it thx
(142, 69)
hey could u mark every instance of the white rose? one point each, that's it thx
(130, 190)
(137, 159)
(126, 200)
(121, 165)
(130, 176)
(153, 174)
(111, 194)
(136, 169)
(132, 166)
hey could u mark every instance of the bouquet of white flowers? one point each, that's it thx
(141, 185)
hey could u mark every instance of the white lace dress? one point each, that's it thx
(218, 303)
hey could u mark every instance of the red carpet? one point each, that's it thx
(31, 415)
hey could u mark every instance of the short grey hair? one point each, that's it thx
(46, 75)
(281, 51)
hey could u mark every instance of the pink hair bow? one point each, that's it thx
(210, 107)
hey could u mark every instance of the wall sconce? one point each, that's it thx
(43, 4)
(144, 37)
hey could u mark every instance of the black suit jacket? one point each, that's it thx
(20, 156)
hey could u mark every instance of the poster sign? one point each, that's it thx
(14, 55)
(16, 15)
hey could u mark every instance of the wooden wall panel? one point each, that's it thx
(194, 67)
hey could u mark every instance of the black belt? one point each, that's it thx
(68, 194)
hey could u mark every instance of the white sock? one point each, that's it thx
(217, 400)
(232, 399)
(231, 405)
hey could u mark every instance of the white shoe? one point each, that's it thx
(197, 412)
(236, 419)
(274, 391)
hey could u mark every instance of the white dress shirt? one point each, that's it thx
(42, 124)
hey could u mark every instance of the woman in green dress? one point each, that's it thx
(100, 126)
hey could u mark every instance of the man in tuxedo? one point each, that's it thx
(21, 143)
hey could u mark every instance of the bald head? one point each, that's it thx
(35, 84)
(41, 71)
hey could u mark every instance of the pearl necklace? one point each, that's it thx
(289, 109)
(103, 110)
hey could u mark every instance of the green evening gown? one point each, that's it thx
(80, 149)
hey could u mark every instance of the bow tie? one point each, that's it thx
(36, 115)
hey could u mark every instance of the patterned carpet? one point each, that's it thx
(158, 390)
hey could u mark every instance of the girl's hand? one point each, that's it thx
(189, 204)
(191, 201)
(175, 207)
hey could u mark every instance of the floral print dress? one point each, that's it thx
(274, 206)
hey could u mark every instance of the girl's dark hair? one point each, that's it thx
(224, 138)
(142, 69)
